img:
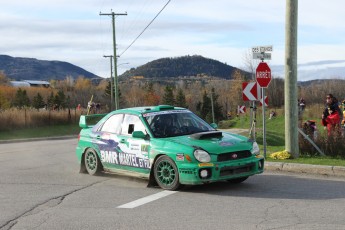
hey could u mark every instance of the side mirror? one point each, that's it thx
(214, 125)
(138, 134)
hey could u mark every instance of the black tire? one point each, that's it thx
(238, 180)
(166, 173)
(92, 163)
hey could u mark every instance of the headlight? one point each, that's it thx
(255, 148)
(202, 155)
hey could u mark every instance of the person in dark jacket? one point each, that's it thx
(332, 115)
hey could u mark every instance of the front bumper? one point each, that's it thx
(194, 173)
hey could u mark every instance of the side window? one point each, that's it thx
(131, 123)
(113, 124)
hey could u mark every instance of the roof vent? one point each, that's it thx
(164, 107)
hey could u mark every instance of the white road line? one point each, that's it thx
(147, 199)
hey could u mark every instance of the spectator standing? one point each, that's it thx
(301, 107)
(331, 116)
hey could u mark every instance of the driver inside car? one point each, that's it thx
(165, 126)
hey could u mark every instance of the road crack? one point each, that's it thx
(51, 203)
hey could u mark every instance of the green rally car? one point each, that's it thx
(169, 146)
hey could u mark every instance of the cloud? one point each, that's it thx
(223, 30)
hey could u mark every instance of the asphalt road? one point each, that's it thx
(40, 188)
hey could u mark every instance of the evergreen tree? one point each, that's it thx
(168, 98)
(108, 89)
(38, 102)
(217, 108)
(60, 100)
(204, 108)
(21, 99)
(50, 101)
(181, 99)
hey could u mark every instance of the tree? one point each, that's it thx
(168, 97)
(60, 100)
(4, 103)
(21, 99)
(38, 102)
(181, 99)
(50, 101)
(3, 79)
(217, 108)
(83, 90)
(151, 98)
(205, 107)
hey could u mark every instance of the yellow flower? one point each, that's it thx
(282, 155)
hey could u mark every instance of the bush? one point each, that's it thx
(332, 146)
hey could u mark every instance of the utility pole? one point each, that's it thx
(291, 110)
(112, 14)
(111, 80)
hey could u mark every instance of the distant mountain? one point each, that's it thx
(18, 68)
(327, 69)
(182, 67)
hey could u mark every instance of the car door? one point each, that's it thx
(134, 155)
(107, 141)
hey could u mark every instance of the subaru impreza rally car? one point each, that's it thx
(169, 146)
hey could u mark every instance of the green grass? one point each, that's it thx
(47, 131)
(312, 160)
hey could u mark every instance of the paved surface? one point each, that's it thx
(338, 171)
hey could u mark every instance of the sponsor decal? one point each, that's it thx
(186, 171)
(124, 159)
(165, 112)
(179, 157)
(144, 149)
(113, 152)
(205, 164)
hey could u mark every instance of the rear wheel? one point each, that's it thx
(166, 173)
(92, 162)
(238, 180)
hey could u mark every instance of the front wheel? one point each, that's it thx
(92, 162)
(166, 173)
(238, 180)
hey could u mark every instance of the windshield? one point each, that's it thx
(175, 123)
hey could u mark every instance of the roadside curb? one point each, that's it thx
(338, 171)
(38, 139)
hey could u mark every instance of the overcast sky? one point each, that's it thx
(224, 30)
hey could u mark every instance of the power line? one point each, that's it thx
(145, 28)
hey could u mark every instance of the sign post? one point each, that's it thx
(263, 78)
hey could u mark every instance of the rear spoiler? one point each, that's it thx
(86, 121)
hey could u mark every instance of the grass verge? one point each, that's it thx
(46, 131)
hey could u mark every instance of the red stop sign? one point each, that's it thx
(263, 74)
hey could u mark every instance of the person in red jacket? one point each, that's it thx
(331, 120)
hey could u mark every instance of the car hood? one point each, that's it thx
(214, 141)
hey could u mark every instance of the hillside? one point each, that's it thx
(18, 68)
(181, 67)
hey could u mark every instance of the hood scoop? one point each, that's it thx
(206, 135)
